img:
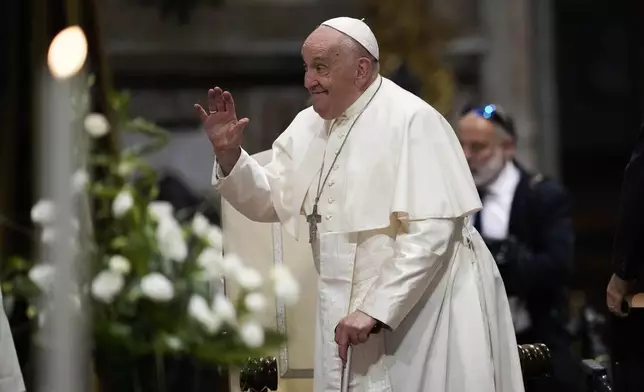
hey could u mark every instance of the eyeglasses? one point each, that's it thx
(491, 113)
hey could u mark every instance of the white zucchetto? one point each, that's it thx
(358, 30)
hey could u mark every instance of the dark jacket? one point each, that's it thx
(536, 263)
(536, 260)
(628, 260)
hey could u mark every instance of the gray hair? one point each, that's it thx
(356, 48)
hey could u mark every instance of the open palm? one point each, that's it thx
(220, 121)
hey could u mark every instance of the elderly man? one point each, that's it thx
(10, 374)
(526, 223)
(386, 192)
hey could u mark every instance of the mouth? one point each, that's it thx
(317, 93)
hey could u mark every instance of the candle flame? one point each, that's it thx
(67, 53)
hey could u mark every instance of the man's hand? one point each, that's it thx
(352, 330)
(222, 127)
(615, 292)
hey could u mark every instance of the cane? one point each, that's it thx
(346, 371)
(346, 368)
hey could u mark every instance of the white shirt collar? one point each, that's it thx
(506, 182)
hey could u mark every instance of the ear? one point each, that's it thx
(509, 147)
(364, 68)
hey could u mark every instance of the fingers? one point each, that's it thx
(614, 303)
(212, 100)
(219, 100)
(201, 112)
(216, 100)
(229, 102)
(343, 350)
(342, 339)
(241, 125)
(362, 337)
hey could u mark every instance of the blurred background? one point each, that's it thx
(569, 72)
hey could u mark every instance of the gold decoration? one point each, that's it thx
(409, 34)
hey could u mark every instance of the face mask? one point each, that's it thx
(485, 174)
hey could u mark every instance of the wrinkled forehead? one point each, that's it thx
(323, 42)
(472, 126)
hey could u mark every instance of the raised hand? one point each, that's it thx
(222, 127)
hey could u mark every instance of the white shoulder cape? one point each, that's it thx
(404, 158)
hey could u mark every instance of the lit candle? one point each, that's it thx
(63, 364)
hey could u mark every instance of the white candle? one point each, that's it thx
(63, 366)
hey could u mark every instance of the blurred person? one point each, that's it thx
(386, 192)
(627, 351)
(526, 223)
(10, 374)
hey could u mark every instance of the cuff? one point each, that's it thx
(218, 176)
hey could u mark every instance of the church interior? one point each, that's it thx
(568, 72)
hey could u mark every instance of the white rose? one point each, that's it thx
(122, 203)
(200, 225)
(248, 278)
(96, 125)
(255, 302)
(160, 210)
(252, 334)
(173, 343)
(199, 310)
(48, 235)
(119, 265)
(157, 287)
(170, 240)
(285, 286)
(42, 276)
(125, 168)
(215, 237)
(230, 264)
(210, 260)
(42, 212)
(224, 309)
(106, 285)
(79, 180)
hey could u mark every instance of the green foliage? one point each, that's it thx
(129, 310)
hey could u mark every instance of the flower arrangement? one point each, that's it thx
(152, 278)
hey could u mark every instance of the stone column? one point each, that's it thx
(507, 69)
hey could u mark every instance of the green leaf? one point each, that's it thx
(119, 242)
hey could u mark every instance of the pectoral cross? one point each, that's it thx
(313, 218)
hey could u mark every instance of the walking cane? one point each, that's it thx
(346, 372)
(346, 368)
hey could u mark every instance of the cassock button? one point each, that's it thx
(328, 217)
(331, 200)
(336, 167)
(331, 182)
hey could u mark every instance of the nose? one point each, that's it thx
(309, 81)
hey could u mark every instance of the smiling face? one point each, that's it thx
(336, 71)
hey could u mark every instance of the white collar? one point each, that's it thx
(507, 180)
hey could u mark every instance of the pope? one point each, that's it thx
(387, 194)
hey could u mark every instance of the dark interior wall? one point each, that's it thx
(599, 81)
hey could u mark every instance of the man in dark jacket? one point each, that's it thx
(628, 277)
(526, 222)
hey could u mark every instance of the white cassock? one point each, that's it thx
(393, 243)
(10, 374)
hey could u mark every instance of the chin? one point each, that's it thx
(322, 113)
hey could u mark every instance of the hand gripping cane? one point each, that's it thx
(346, 367)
